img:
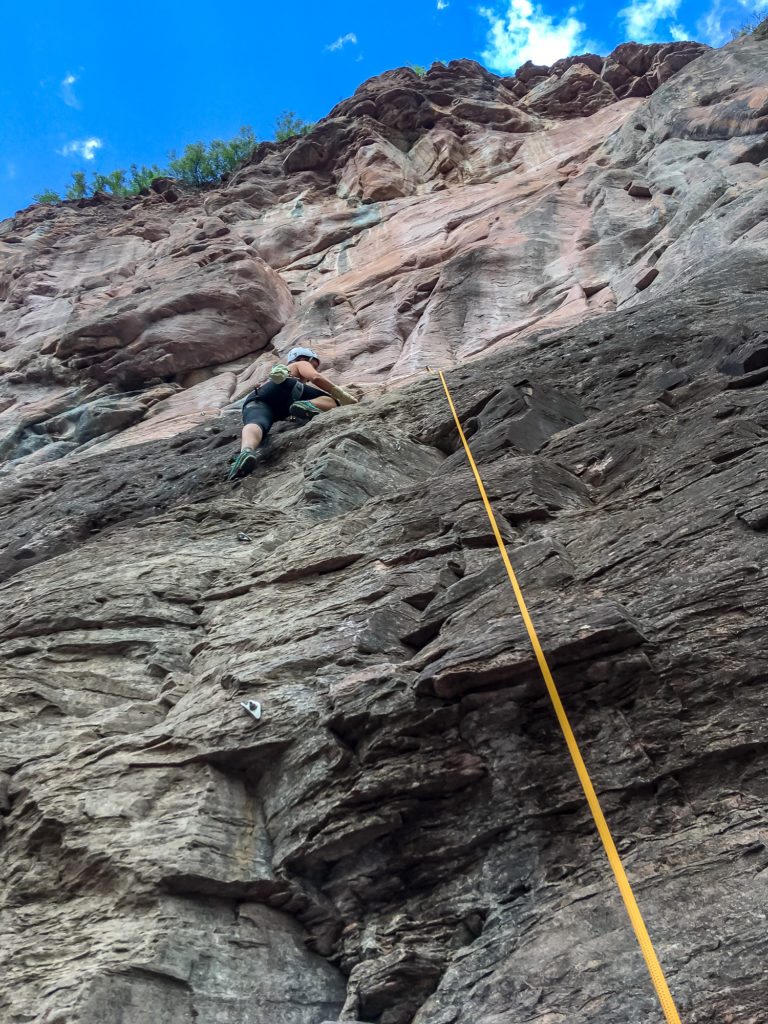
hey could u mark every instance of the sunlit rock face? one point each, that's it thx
(426, 219)
(400, 836)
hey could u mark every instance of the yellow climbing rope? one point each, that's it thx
(654, 967)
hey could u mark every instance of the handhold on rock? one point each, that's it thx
(646, 278)
(253, 707)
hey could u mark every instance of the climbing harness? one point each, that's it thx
(641, 932)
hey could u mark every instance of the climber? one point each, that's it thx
(294, 389)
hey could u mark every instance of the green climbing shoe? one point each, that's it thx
(243, 464)
(303, 411)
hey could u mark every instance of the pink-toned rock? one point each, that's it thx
(400, 836)
(235, 305)
(376, 173)
(497, 114)
(633, 69)
(578, 93)
(362, 238)
(529, 72)
(617, 75)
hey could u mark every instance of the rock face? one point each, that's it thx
(425, 219)
(400, 837)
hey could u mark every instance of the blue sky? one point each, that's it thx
(95, 87)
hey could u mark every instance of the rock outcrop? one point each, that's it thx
(400, 837)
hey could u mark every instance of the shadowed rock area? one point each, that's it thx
(400, 838)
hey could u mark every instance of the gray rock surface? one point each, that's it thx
(401, 836)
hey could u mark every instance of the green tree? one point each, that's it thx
(217, 162)
(751, 25)
(240, 146)
(142, 177)
(420, 71)
(113, 182)
(200, 164)
(79, 186)
(288, 125)
(192, 165)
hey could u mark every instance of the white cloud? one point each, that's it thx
(350, 37)
(83, 147)
(710, 28)
(526, 32)
(442, 4)
(10, 170)
(641, 20)
(679, 33)
(68, 92)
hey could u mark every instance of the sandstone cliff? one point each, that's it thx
(401, 836)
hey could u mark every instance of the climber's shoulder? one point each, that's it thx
(303, 369)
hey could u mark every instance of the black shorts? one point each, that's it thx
(273, 401)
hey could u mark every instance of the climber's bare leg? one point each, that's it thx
(252, 435)
(323, 402)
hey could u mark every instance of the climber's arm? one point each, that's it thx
(308, 373)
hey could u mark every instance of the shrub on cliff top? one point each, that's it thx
(200, 164)
(756, 25)
(114, 183)
(142, 177)
(47, 197)
(79, 186)
(288, 125)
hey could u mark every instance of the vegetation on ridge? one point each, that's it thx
(420, 70)
(756, 24)
(288, 125)
(199, 164)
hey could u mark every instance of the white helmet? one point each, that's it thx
(301, 353)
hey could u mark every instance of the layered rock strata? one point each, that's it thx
(442, 215)
(400, 837)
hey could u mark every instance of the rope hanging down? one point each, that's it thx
(654, 967)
